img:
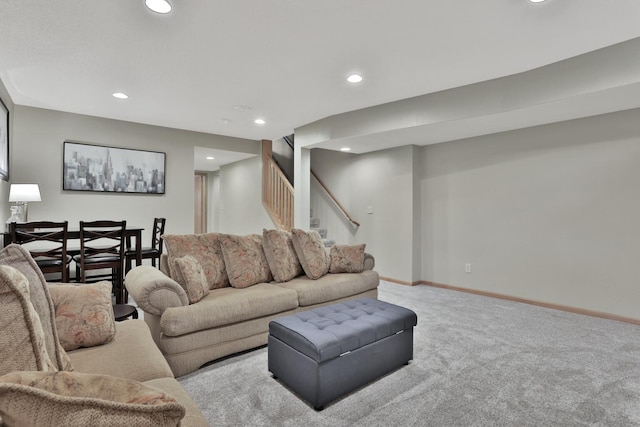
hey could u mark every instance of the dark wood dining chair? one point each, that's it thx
(102, 246)
(152, 252)
(47, 243)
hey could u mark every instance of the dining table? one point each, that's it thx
(74, 234)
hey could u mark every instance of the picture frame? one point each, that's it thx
(4, 141)
(107, 169)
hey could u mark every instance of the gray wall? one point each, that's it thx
(37, 150)
(548, 213)
(241, 210)
(382, 180)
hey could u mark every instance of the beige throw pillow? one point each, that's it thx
(84, 314)
(245, 260)
(22, 340)
(195, 282)
(281, 255)
(18, 257)
(311, 253)
(203, 247)
(347, 259)
(75, 399)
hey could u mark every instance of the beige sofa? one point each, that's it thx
(42, 384)
(230, 319)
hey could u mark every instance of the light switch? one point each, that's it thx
(370, 210)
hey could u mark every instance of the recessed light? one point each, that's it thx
(345, 149)
(354, 78)
(259, 121)
(158, 6)
(210, 158)
(242, 108)
(537, 1)
(120, 95)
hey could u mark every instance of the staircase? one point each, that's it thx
(315, 225)
(277, 191)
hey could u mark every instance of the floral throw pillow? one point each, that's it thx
(245, 260)
(311, 253)
(69, 398)
(195, 282)
(203, 247)
(84, 314)
(281, 255)
(347, 259)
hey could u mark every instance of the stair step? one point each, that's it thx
(328, 243)
(321, 231)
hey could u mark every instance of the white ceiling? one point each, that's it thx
(220, 158)
(285, 59)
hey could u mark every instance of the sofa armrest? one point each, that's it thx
(369, 261)
(153, 290)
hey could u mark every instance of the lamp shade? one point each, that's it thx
(24, 193)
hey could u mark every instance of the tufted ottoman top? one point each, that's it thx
(327, 332)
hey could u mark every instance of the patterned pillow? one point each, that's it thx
(195, 282)
(203, 247)
(281, 255)
(245, 260)
(347, 259)
(84, 314)
(18, 257)
(311, 253)
(69, 398)
(22, 341)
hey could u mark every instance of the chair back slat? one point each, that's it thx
(47, 243)
(101, 238)
(158, 231)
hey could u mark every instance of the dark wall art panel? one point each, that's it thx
(4, 142)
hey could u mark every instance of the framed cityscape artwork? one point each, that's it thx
(4, 142)
(105, 169)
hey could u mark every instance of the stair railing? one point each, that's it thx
(277, 192)
(335, 201)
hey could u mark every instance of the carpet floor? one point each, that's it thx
(478, 361)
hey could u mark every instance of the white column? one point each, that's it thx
(302, 186)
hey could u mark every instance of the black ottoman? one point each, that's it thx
(324, 353)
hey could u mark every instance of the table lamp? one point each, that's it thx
(22, 194)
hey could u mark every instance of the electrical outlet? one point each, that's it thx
(467, 268)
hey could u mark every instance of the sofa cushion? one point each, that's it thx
(74, 399)
(228, 306)
(331, 287)
(84, 314)
(131, 354)
(195, 282)
(311, 252)
(203, 247)
(347, 259)
(281, 255)
(245, 260)
(19, 258)
(22, 341)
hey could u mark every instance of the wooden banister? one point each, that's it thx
(334, 200)
(277, 192)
